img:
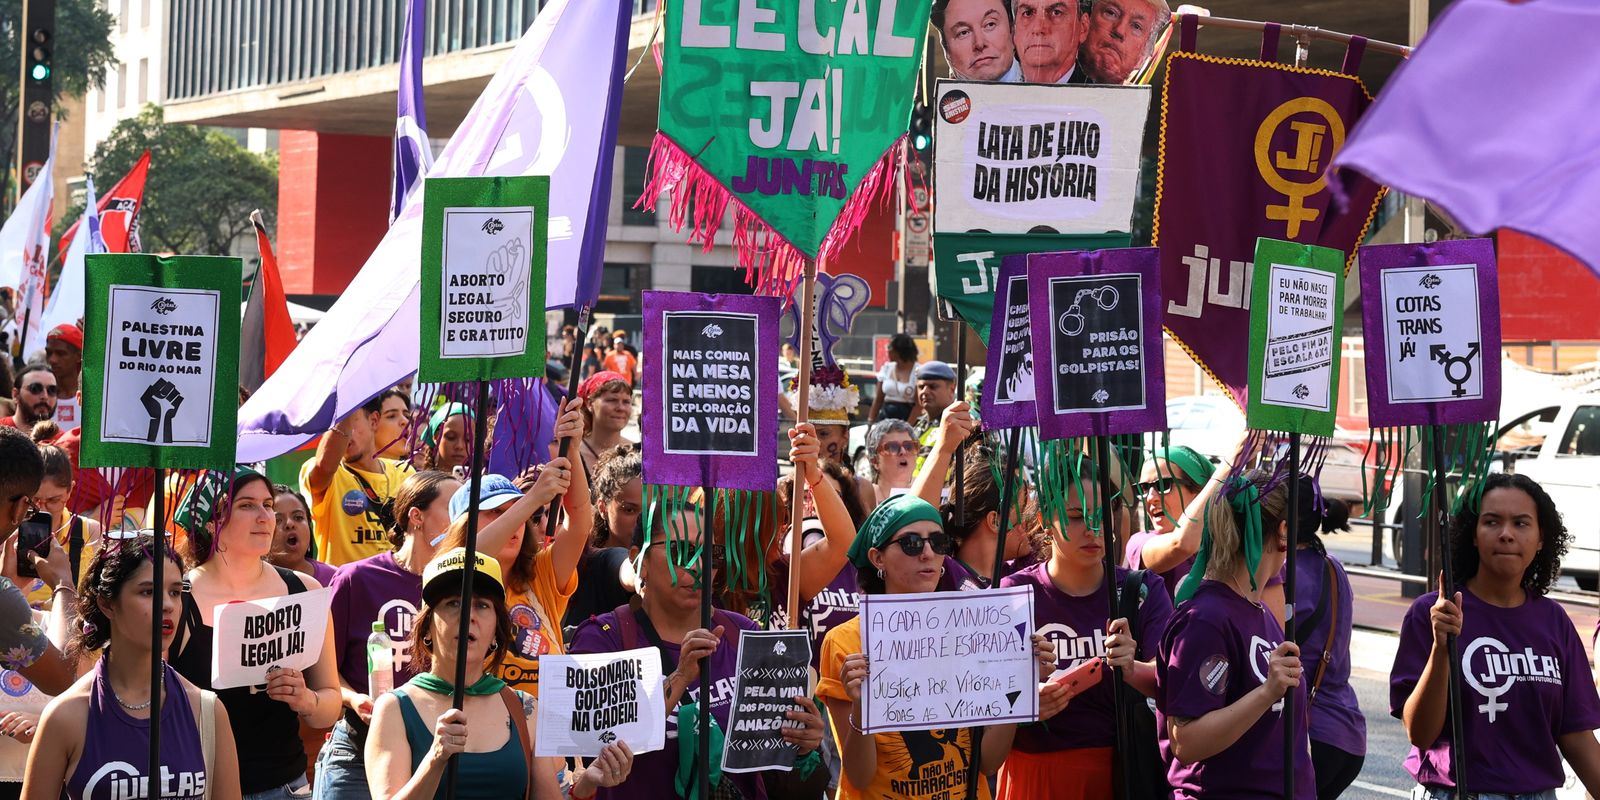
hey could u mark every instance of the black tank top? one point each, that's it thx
(266, 732)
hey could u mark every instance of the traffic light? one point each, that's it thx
(38, 57)
(921, 127)
(38, 97)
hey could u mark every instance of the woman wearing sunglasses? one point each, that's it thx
(670, 566)
(105, 717)
(1068, 755)
(539, 580)
(1173, 484)
(901, 549)
(892, 447)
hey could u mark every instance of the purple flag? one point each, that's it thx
(412, 153)
(1431, 313)
(1096, 321)
(1492, 119)
(550, 110)
(710, 415)
(1244, 150)
(1008, 387)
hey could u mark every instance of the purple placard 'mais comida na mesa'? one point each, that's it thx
(1097, 342)
(1431, 316)
(710, 416)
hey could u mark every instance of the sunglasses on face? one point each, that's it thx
(911, 544)
(39, 388)
(1160, 485)
(899, 448)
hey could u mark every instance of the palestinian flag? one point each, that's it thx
(267, 334)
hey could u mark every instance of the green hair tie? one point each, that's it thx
(1244, 499)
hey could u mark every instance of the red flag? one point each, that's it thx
(119, 208)
(267, 334)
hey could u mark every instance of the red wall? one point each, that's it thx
(1545, 294)
(870, 253)
(333, 200)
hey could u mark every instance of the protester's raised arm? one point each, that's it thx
(822, 561)
(954, 427)
(330, 452)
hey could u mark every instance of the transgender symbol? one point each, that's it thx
(1457, 369)
(161, 401)
(1071, 322)
(1306, 158)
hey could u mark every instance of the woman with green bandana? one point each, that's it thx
(1224, 667)
(492, 735)
(445, 439)
(901, 549)
(1172, 481)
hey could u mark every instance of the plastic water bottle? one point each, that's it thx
(380, 662)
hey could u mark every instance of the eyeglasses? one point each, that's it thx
(911, 544)
(40, 388)
(683, 553)
(1160, 485)
(33, 508)
(899, 448)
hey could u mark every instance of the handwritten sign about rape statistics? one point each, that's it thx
(949, 659)
(709, 415)
(589, 701)
(774, 668)
(1013, 158)
(255, 636)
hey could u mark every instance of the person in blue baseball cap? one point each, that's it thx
(539, 578)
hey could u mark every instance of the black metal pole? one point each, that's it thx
(158, 564)
(572, 391)
(1008, 489)
(703, 733)
(480, 432)
(1293, 518)
(1441, 521)
(1108, 541)
(960, 460)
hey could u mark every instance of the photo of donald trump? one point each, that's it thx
(976, 35)
(1121, 36)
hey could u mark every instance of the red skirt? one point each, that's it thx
(1080, 774)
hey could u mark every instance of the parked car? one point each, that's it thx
(1559, 446)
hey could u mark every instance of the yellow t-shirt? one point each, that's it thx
(917, 765)
(536, 614)
(346, 528)
(38, 593)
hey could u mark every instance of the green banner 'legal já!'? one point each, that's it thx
(1296, 319)
(483, 271)
(160, 361)
(786, 107)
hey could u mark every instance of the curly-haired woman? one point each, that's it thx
(104, 719)
(1527, 700)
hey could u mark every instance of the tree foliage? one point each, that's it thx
(80, 57)
(202, 185)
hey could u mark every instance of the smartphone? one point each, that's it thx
(33, 534)
(1079, 678)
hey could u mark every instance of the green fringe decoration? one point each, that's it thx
(666, 505)
(1063, 466)
(1468, 453)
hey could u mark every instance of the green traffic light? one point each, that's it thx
(920, 141)
(40, 72)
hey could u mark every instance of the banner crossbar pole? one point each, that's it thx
(1301, 32)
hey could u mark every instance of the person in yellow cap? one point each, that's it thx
(492, 735)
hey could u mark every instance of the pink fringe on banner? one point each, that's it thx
(772, 264)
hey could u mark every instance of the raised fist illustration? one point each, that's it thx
(161, 401)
